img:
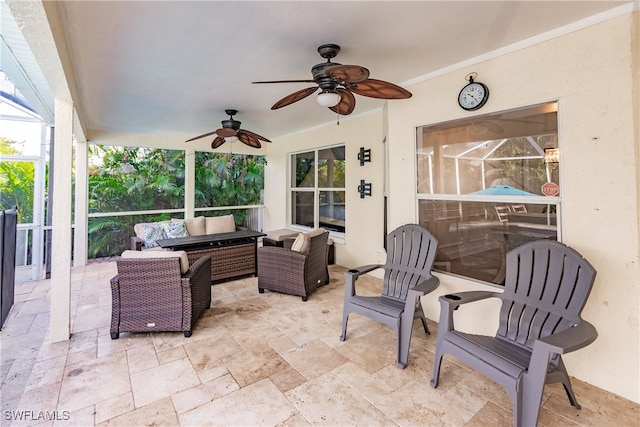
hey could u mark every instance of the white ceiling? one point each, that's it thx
(175, 66)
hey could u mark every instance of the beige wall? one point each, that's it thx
(364, 216)
(590, 73)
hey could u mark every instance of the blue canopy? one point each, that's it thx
(503, 190)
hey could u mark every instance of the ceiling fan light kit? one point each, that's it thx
(328, 99)
(338, 84)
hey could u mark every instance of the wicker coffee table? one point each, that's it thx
(232, 254)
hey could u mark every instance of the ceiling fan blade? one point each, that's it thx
(378, 89)
(201, 136)
(347, 73)
(249, 140)
(226, 132)
(294, 97)
(285, 81)
(347, 102)
(252, 134)
(217, 142)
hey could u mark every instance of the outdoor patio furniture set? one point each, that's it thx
(546, 287)
(232, 248)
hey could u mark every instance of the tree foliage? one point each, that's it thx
(135, 179)
(16, 182)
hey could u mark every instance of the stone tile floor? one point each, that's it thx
(253, 360)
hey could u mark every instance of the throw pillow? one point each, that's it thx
(299, 243)
(220, 224)
(175, 229)
(151, 233)
(302, 242)
(139, 228)
(195, 226)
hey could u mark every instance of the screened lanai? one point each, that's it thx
(482, 187)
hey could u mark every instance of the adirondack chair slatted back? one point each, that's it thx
(547, 285)
(410, 254)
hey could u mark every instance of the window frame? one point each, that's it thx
(550, 202)
(315, 190)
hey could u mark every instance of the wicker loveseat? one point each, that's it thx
(230, 257)
(158, 291)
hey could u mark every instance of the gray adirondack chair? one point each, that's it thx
(547, 285)
(407, 276)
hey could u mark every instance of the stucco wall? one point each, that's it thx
(590, 73)
(364, 217)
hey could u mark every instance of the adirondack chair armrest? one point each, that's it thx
(359, 271)
(425, 287)
(581, 335)
(350, 277)
(451, 302)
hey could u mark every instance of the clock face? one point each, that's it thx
(473, 96)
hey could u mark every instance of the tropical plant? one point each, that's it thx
(228, 180)
(127, 179)
(16, 181)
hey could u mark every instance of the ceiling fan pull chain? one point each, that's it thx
(337, 119)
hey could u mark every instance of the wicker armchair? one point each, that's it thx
(294, 272)
(150, 295)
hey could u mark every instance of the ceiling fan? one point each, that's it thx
(338, 83)
(231, 129)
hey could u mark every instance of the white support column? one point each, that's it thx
(60, 322)
(189, 182)
(38, 205)
(80, 250)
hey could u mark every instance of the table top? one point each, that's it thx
(208, 239)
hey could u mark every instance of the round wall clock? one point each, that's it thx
(473, 96)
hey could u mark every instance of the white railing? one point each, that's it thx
(254, 220)
(25, 232)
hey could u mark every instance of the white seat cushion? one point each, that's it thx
(184, 259)
(282, 234)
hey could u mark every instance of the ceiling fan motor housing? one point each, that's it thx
(231, 124)
(320, 77)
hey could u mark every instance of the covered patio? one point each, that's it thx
(100, 74)
(253, 359)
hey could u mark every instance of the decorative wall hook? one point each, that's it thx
(364, 155)
(364, 189)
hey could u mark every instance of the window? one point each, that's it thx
(317, 187)
(230, 180)
(480, 187)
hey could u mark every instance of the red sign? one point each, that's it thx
(550, 189)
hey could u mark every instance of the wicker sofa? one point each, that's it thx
(146, 234)
(158, 291)
(229, 258)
